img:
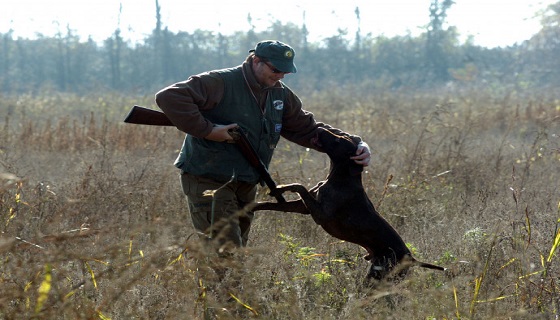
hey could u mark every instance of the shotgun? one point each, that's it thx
(240, 138)
(141, 115)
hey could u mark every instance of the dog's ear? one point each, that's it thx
(316, 142)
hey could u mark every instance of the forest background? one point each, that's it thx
(67, 63)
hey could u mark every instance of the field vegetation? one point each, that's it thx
(94, 225)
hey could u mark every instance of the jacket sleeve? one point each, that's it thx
(300, 126)
(181, 102)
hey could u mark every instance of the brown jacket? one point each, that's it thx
(183, 101)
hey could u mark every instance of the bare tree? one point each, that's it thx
(437, 59)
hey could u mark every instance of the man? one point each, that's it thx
(253, 97)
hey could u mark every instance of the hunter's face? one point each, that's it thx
(265, 73)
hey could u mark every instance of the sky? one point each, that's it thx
(492, 23)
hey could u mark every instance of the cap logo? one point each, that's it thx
(288, 54)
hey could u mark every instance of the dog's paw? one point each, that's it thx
(276, 192)
(292, 187)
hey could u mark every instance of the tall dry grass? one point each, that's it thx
(94, 224)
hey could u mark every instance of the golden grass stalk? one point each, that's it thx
(92, 274)
(556, 242)
(101, 315)
(44, 289)
(478, 280)
(456, 299)
(245, 305)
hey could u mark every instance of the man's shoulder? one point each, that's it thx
(216, 77)
(219, 72)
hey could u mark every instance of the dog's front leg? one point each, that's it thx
(313, 206)
(296, 206)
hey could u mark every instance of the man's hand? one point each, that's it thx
(220, 133)
(363, 155)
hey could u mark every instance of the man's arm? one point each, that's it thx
(299, 126)
(182, 102)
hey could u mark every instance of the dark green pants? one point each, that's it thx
(226, 223)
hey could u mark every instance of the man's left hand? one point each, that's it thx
(363, 155)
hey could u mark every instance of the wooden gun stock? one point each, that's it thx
(141, 115)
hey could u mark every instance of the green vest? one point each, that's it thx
(221, 160)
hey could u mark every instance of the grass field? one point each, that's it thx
(94, 224)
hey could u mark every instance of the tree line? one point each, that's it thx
(434, 58)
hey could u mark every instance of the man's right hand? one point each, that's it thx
(220, 133)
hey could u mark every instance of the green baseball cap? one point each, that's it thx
(279, 54)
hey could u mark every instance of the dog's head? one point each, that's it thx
(338, 148)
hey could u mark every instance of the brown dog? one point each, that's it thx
(341, 206)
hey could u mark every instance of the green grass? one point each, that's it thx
(94, 225)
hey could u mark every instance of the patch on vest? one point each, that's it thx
(278, 104)
(278, 127)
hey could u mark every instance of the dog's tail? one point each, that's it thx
(429, 265)
(411, 261)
